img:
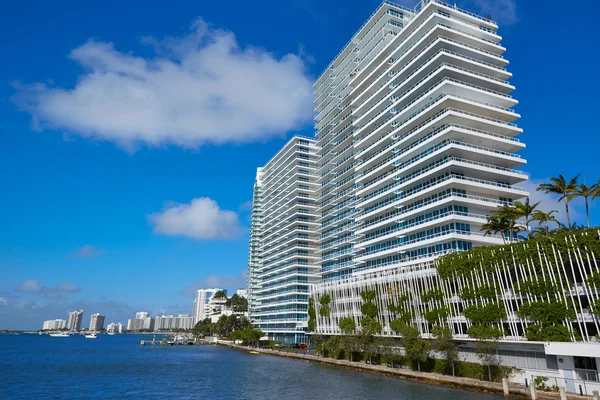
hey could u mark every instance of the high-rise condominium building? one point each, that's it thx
(254, 258)
(282, 245)
(97, 322)
(114, 327)
(169, 322)
(141, 315)
(54, 324)
(74, 321)
(417, 146)
(200, 307)
(140, 324)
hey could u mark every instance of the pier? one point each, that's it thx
(171, 340)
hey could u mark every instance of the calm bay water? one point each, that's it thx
(33, 366)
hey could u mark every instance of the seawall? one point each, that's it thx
(428, 377)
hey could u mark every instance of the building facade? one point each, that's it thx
(114, 327)
(97, 322)
(142, 315)
(74, 321)
(200, 308)
(283, 239)
(170, 322)
(255, 247)
(145, 324)
(54, 324)
(417, 144)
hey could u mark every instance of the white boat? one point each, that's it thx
(59, 335)
(91, 336)
(110, 333)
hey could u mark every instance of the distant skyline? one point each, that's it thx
(130, 136)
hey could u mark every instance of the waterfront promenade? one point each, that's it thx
(429, 377)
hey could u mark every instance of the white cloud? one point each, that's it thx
(88, 251)
(200, 219)
(230, 282)
(502, 11)
(199, 88)
(62, 291)
(30, 286)
(34, 286)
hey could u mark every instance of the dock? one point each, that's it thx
(171, 340)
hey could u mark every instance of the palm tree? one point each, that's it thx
(544, 219)
(496, 223)
(561, 187)
(510, 214)
(585, 191)
(525, 210)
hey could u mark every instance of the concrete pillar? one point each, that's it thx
(505, 386)
(533, 393)
(595, 395)
(563, 393)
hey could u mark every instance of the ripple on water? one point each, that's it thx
(118, 367)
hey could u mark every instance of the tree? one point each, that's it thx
(248, 336)
(388, 350)
(334, 346)
(415, 347)
(496, 224)
(369, 324)
(237, 303)
(585, 191)
(508, 216)
(525, 210)
(544, 219)
(203, 328)
(319, 342)
(486, 352)
(312, 315)
(220, 294)
(347, 325)
(444, 344)
(561, 187)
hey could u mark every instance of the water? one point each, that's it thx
(33, 366)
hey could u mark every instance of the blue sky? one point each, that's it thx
(126, 131)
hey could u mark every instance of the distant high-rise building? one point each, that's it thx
(203, 296)
(242, 292)
(169, 322)
(97, 322)
(54, 324)
(114, 327)
(141, 315)
(74, 321)
(139, 324)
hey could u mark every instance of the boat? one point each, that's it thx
(110, 333)
(91, 336)
(59, 335)
(254, 352)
